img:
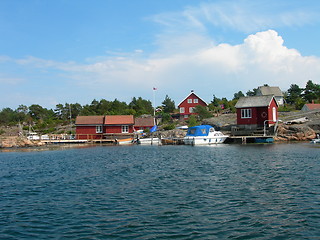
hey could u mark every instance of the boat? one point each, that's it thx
(125, 141)
(203, 135)
(149, 141)
(264, 140)
(316, 140)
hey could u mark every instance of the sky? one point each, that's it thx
(75, 51)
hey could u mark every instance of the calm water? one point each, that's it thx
(168, 192)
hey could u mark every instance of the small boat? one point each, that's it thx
(149, 141)
(125, 141)
(203, 135)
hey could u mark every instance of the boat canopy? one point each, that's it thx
(201, 130)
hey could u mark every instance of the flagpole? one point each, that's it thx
(154, 101)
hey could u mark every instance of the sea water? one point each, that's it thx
(263, 191)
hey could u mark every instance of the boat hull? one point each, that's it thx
(204, 140)
(149, 141)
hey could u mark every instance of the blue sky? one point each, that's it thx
(74, 51)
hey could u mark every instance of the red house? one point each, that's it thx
(99, 127)
(143, 123)
(257, 111)
(187, 105)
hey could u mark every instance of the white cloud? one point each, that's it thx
(244, 15)
(220, 69)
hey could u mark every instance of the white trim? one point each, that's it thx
(124, 128)
(99, 129)
(246, 113)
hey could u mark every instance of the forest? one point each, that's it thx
(46, 120)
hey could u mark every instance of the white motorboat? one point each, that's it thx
(203, 135)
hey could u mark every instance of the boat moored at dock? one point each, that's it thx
(203, 135)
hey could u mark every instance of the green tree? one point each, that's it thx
(168, 105)
(141, 106)
(202, 112)
(37, 112)
(311, 92)
(192, 121)
(7, 116)
(293, 94)
(252, 92)
(238, 95)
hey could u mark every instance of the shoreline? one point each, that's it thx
(19, 143)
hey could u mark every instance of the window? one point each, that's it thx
(124, 128)
(195, 100)
(182, 110)
(189, 100)
(99, 129)
(191, 109)
(246, 113)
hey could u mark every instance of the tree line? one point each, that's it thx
(41, 117)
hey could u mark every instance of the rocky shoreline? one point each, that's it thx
(286, 133)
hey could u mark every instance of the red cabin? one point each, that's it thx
(187, 105)
(143, 123)
(257, 111)
(99, 127)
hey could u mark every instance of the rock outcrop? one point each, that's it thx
(12, 142)
(295, 133)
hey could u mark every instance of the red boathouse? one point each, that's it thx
(100, 127)
(257, 111)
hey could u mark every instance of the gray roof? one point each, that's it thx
(254, 101)
(266, 90)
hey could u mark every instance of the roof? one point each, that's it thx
(144, 121)
(118, 119)
(89, 120)
(312, 106)
(107, 120)
(266, 90)
(192, 92)
(255, 101)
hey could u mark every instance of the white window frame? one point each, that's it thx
(182, 110)
(195, 100)
(189, 100)
(191, 109)
(99, 129)
(246, 113)
(125, 129)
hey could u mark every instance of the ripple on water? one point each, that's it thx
(169, 192)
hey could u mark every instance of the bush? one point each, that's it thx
(169, 126)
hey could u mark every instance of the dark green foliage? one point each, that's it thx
(253, 92)
(202, 112)
(169, 126)
(293, 93)
(192, 121)
(238, 95)
(311, 92)
(141, 106)
(168, 105)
